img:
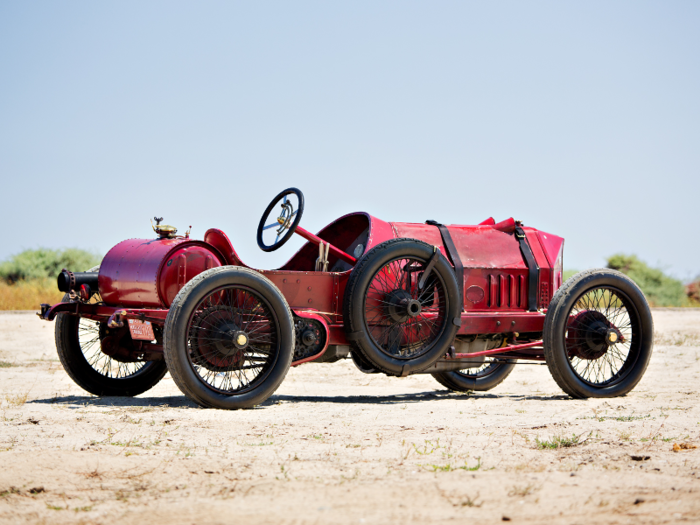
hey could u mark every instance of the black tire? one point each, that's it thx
(599, 323)
(381, 341)
(78, 347)
(362, 364)
(205, 305)
(480, 379)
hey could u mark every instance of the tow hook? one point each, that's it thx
(44, 311)
(116, 320)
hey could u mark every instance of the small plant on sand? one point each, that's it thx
(453, 459)
(428, 448)
(93, 474)
(461, 500)
(449, 467)
(522, 491)
(558, 442)
(16, 400)
(624, 435)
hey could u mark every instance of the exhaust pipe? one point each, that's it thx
(73, 282)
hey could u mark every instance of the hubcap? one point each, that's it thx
(612, 337)
(240, 340)
(413, 307)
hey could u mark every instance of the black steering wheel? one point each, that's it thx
(279, 230)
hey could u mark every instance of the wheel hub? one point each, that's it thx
(590, 334)
(224, 337)
(219, 342)
(401, 306)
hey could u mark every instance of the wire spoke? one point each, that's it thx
(594, 356)
(90, 335)
(393, 330)
(221, 362)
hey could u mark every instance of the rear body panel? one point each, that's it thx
(145, 273)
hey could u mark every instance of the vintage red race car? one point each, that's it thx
(463, 303)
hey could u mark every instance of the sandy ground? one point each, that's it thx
(336, 446)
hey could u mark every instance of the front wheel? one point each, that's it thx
(598, 335)
(229, 338)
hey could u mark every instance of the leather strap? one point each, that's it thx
(453, 255)
(534, 271)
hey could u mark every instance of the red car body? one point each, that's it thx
(139, 278)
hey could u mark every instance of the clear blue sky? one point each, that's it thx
(580, 118)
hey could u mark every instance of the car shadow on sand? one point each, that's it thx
(117, 401)
(416, 397)
(395, 399)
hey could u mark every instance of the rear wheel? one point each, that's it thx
(598, 335)
(79, 347)
(229, 338)
(484, 377)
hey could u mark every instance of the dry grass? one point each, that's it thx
(16, 400)
(28, 295)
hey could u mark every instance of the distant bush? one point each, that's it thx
(31, 265)
(692, 290)
(660, 289)
(28, 295)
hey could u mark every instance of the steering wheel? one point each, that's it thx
(279, 230)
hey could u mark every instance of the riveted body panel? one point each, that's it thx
(149, 272)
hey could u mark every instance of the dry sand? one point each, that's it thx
(336, 446)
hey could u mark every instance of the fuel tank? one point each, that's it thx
(142, 273)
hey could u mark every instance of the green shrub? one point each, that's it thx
(567, 274)
(660, 289)
(44, 263)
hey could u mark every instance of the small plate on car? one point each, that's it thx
(141, 330)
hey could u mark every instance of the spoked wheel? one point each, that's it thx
(229, 338)
(80, 343)
(598, 335)
(486, 376)
(396, 325)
